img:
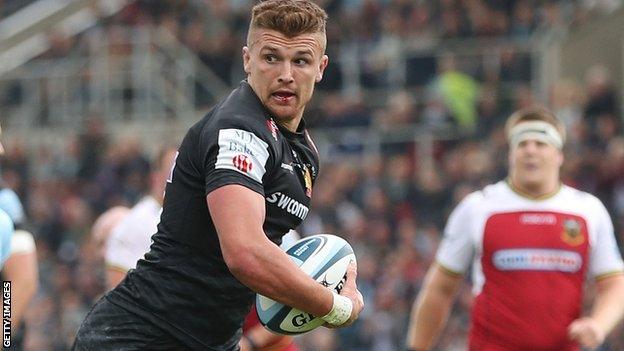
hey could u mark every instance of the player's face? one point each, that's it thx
(534, 164)
(282, 71)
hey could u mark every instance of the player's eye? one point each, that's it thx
(301, 61)
(270, 58)
(540, 143)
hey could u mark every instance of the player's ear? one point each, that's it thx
(322, 66)
(246, 59)
(560, 158)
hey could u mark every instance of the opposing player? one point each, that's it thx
(103, 227)
(19, 260)
(532, 242)
(6, 225)
(242, 179)
(21, 269)
(130, 239)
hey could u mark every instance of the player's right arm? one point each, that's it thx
(433, 304)
(21, 269)
(238, 215)
(432, 307)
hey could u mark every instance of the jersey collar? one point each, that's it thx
(531, 197)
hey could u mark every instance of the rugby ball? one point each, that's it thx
(325, 258)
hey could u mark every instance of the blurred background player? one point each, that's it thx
(532, 242)
(103, 227)
(20, 266)
(130, 239)
(6, 223)
(22, 270)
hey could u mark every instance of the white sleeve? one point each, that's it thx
(22, 242)
(457, 249)
(605, 256)
(119, 248)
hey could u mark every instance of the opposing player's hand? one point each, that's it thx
(350, 290)
(586, 332)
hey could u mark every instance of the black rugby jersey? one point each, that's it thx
(183, 283)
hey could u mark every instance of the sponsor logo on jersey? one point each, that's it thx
(538, 219)
(242, 163)
(572, 232)
(537, 260)
(272, 128)
(242, 151)
(289, 205)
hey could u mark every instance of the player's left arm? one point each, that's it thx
(607, 312)
(607, 267)
(21, 269)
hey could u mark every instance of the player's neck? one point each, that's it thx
(291, 124)
(540, 191)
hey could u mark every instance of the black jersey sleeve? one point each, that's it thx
(236, 150)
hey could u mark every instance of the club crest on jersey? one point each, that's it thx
(272, 128)
(242, 163)
(572, 232)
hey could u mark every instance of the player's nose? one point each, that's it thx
(285, 74)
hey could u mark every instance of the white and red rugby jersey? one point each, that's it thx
(529, 260)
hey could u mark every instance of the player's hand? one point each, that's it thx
(244, 345)
(586, 332)
(350, 290)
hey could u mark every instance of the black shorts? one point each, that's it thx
(110, 327)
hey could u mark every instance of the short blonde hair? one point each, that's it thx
(535, 113)
(289, 17)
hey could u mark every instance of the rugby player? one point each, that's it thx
(243, 177)
(531, 242)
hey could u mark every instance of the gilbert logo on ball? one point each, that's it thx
(325, 258)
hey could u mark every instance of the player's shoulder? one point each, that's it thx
(484, 198)
(240, 118)
(147, 204)
(11, 204)
(146, 208)
(573, 195)
(240, 110)
(488, 193)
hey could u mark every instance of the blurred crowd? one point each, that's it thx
(376, 32)
(391, 205)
